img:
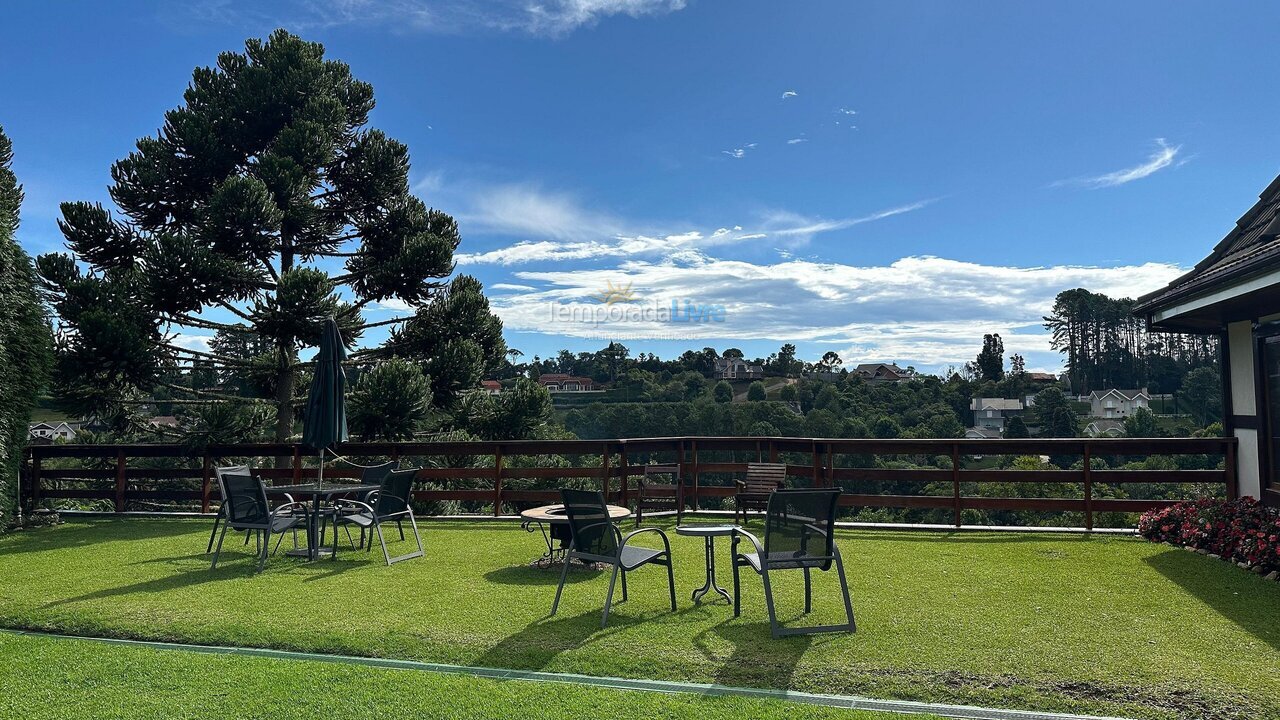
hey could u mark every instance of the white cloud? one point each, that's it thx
(1161, 158)
(546, 18)
(788, 94)
(529, 210)
(735, 153)
(192, 341)
(847, 111)
(512, 287)
(787, 224)
(797, 141)
(922, 310)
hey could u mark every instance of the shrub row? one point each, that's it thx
(1242, 531)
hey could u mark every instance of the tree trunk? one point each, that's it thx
(284, 403)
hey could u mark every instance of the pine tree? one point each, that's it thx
(264, 205)
(24, 338)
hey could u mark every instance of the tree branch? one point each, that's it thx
(212, 356)
(380, 323)
(188, 321)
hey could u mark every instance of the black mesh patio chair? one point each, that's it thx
(372, 476)
(594, 538)
(659, 497)
(217, 517)
(798, 535)
(245, 509)
(389, 503)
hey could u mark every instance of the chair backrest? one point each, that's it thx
(764, 478)
(244, 497)
(393, 493)
(229, 470)
(651, 471)
(799, 528)
(375, 474)
(591, 530)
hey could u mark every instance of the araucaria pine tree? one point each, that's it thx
(264, 205)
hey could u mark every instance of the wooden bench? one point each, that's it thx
(754, 490)
(659, 497)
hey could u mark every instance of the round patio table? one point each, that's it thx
(709, 533)
(553, 521)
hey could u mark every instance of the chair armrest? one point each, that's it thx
(289, 506)
(741, 485)
(289, 498)
(342, 504)
(627, 538)
(755, 542)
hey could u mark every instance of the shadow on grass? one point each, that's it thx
(755, 658)
(527, 575)
(63, 537)
(1246, 600)
(535, 646)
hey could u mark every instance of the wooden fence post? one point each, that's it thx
(604, 470)
(120, 480)
(35, 480)
(626, 477)
(773, 450)
(297, 464)
(816, 463)
(497, 481)
(1088, 488)
(955, 480)
(694, 460)
(831, 466)
(204, 483)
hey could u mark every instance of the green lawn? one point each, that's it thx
(1107, 625)
(65, 679)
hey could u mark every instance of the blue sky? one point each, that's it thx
(887, 180)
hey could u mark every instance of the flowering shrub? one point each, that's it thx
(1238, 530)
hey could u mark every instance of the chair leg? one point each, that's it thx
(624, 584)
(608, 599)
(400, 527)
(266, 545)
(808, 592)
(671, 581)
(377, 526)
(564, 573)
(218, 552)
(280, 539)
(768, 601)
(333, 554)
(217, 520)
(350, 540)
(844, 588)
(737, 587)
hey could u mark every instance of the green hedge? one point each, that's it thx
(25, 339)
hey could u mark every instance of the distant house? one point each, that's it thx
(43, 433)
(882, 372)
(1117, 403)
(981, 433)
(736, 369)
(993, 413)
(1044, 378)
(822, 375)
(492, 387)
(1104, 428)
(559, 382)
(164, 421)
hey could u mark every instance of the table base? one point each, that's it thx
(710, 584)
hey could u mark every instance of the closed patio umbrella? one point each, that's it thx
(325, 418)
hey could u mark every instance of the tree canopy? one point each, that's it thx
(24, 338)
(264, 205)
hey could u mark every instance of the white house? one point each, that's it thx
(1117, 403)
(1234, 293)
(882, 372)
(993, 413)
(43, 432)
(559, 382)
(981, 433)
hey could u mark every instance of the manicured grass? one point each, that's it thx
(1108, 625)
(66, 679)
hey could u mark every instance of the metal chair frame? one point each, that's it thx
(662, 557)
(776, 512)
(653, 494)
(371, 511)
(260, 530)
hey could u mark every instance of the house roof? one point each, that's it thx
(1251, 247)
(1104, 427)
(1126, 394)
(561, 377)
(995, 404)
(871, 368)
(490, 384)
(984, 433)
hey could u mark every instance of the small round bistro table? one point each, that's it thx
(553, 521)
(708, 533)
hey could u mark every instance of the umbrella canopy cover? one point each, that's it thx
(325, 418)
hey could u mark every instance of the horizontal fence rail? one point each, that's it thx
(478, 472)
